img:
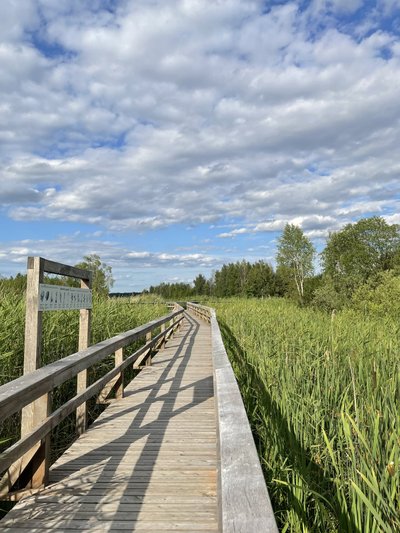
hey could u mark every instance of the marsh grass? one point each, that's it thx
(60, 338)
(322, 395)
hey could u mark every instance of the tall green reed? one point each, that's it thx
(322, 396)
(59, 339)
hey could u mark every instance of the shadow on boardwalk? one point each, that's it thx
(84, 489)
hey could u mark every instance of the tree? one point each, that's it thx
(102, 279)
(231, 280)
(326, 296)
(295, 256)
(359, 250)
(379, 296)
(260, 280)
(172, 291)
(200, 285)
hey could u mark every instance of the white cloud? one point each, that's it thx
(186, 112)
(393, 219)
(142, 267)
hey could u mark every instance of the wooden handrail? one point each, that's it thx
(200, 310)
(14, 452)
(20, 392)
(244, 503)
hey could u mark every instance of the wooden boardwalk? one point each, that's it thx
(149, 462)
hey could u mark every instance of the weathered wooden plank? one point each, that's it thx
(52, 267)
(101, 529)
(117, 511)
(98, 524)
(97, 495)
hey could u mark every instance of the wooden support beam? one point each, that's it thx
(52, 267)
(84, 342)
(119, 385)
(162, 344)
(102, 397)
(15, 471)
(34, 413)
(148, 339)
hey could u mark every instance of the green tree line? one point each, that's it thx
(360, 265)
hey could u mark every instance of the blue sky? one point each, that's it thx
(170, 137)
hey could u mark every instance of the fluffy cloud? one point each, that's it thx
(138, 115)
(133, 269)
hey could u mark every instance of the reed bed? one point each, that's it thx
(322, 395)
(60, 338)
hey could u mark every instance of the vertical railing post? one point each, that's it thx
(119, 385)
(34, 413)
(84, 342)
(148, 359)
(162, 344)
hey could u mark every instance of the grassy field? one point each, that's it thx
(322, 395)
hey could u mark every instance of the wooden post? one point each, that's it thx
(148, 339)
(119, 384)
(32, 469)
(84, 342)
(36, 412)
(162, 344)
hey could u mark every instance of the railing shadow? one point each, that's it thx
(106, 465)
(289, 446)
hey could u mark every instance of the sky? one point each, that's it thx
(172, 136)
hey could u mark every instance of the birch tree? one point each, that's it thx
(295, 256)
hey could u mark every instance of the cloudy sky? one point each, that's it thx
(170, 136)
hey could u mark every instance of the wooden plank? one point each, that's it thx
(85, 316)
(53, 267)
(117, 525)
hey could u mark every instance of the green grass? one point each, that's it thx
(60, 338)
(322, 395)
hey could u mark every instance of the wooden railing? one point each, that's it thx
(21, 392)
(244, 503)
